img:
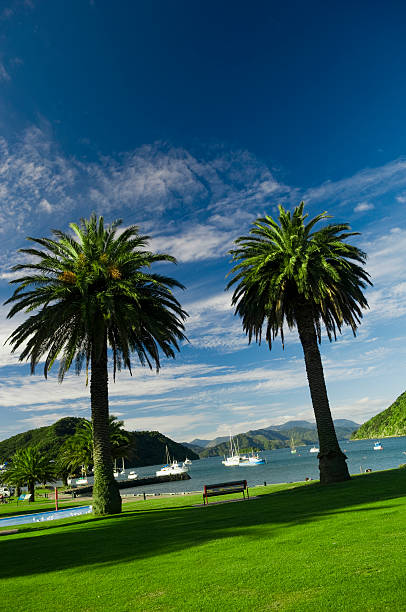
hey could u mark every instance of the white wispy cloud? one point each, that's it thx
(45, 205)
(199, 202)
(360, 410)
(363, 207)
(366, 184)
(4, 75)
(32, 173)
(195, 243)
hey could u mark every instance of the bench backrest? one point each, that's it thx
(235, 485)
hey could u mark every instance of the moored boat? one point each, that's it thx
(254, 460)
(171, 467)
(117, 472)
(378, 446)
(81, 481)
(314, 449)
(235, 458)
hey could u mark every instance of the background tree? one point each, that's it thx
(28, 467)
(77, 451)
(287, 272)
(88, 292)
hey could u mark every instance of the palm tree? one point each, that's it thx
(90, 291)
(78, 449)
(288, 272)
(29, 466)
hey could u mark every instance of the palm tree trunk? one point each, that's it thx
(106, 496)
(31, 489)
(332, 461)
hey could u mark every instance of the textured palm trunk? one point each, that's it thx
(106, 496)
(31, 489)
(332, 461)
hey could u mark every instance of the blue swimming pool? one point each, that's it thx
(38, 517)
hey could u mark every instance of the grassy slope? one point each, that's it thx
(296, 548)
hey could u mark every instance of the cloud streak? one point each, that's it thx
(366, 184)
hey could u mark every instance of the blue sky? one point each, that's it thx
(190, 119)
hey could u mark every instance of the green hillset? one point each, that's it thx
(388, 423)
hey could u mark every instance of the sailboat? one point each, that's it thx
(235, 458)
(171, 467)
(292, 446)
(117, 473)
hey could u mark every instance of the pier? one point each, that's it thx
(129, 484)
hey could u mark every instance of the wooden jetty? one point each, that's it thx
(129, 484)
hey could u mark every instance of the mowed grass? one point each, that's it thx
(296, 547)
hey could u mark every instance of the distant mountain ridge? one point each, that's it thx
(271, 437)
(389, 422)
(146, 447)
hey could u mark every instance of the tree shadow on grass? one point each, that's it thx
(143, 532)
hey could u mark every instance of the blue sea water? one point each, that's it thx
(281, 466)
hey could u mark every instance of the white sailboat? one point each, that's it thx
(171, 467)
(117, 472)
(235, 458)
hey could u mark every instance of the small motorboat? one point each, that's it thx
(132, 475)
(378, 446)
(253, 460)
(314, 449)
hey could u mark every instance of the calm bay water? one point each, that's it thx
(281, 466)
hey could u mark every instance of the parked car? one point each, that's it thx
(6, 491)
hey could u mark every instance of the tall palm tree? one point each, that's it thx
(29, 466)
(89, 291)
(289, 272)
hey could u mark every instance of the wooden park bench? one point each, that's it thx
(225, 488)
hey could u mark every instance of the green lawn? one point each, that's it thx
(306, 547)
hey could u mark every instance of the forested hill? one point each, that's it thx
(146, 447)
(389, 422)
